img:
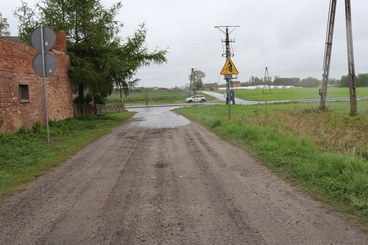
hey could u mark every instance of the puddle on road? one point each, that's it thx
(157, 117)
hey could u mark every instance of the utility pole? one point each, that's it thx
(266, 81)
(228, 55)
(327, 56)
(349, 36)
(191, 81)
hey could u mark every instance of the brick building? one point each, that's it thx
(235, 84)
(210, 86)
(21, 90)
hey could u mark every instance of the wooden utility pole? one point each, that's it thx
(349, 36)
(191, 82)
(266, 81)
(327, 56)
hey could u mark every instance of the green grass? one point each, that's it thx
(294, 93)
(323, 153)
(26, 154)
(154, 97)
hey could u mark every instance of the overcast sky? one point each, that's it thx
(288, 36)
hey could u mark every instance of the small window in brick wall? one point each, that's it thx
(23, 93)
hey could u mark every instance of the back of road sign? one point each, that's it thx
(229, 68)
(49, 38)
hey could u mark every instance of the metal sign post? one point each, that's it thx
(228, 79)
(44, 64)
(44, 86)
(228, 71)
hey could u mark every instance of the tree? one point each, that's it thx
(333, 81)
(126, 59)
(287, 81)
(196, 78)
(362, 80)
(4, 26)
(255, 81)
(100, 59)
(344, 81)
(310, 82)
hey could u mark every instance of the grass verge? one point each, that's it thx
(294, 93)
(26, 154)
(282, 137)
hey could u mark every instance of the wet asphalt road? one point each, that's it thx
(157, 117)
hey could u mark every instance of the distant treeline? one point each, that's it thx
(309, 82)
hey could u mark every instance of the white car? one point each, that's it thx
(195, 98)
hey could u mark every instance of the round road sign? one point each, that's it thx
(50, 64)
(49, 38)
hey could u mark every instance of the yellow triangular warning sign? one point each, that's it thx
(229, 68)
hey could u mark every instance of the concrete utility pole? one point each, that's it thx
(266, 81)
(228, 55)
(327, 56)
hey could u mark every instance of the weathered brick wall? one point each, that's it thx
(15, 69)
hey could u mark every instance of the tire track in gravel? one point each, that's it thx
(239, 229)
(143, 206)
(121, 212)
(82, 220)
(170, 218)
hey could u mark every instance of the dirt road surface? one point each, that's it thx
(163, 180)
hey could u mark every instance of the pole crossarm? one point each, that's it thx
(224, 28)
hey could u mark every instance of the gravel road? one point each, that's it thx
(163, 180)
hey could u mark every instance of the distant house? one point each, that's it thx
(210, 86)
(21, 90)
(235, 84)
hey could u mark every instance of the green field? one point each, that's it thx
(324, 153)
(153, 97)
(294, 93)
(26, 154)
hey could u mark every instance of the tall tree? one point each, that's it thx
(362, 80)
(344, 81)
(196, 77)
(4, 26)
(123, 64)
(99, 57)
